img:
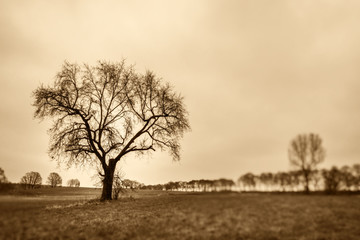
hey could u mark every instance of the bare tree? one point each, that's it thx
(356, 173)
(267, 180)
(226, 184)
(77, 183)
(347, 178)
(332, 179)
(248, 180)
(193, 184)
(306, 152)
(105, 112)
(73, 183)
(54, 179)
(31, 180)
(283, 180)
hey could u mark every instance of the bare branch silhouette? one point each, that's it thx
(102, 113)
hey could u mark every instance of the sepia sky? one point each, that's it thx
(254, 74)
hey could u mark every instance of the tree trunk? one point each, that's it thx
(108, 181)
(307, 180)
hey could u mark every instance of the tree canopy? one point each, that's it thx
(31, 180)
(306, 152)
(54, 179)
(104, 112)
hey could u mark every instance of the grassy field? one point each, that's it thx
(70, 214)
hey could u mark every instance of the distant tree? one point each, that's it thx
(73, 183)
(130, 184)
(356, 169)
(176, 185)
(105, 112)
(305, 153)
(267, 180)
(31, 180)
(54, 179)
(169, 186)
(283, 179)
(136, 184)
(205, 184)
(193, 184)
(3, 178)
(172, 186)
(226, 184)
(332, 179)
(248, 180)
(153, 187)
(356, 173)
(182, 186)
(295, 179)
(347, 178)
(158, 187)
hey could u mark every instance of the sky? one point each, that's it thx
(253, 74)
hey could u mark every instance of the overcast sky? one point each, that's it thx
(254, 74)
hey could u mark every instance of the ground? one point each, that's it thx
(71, 214)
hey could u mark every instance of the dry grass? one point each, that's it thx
(162, 215)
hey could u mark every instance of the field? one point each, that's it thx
(66, 213)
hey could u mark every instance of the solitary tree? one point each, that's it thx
(31, 180)
(306, 152)
(103, 113)
(54, 179)
(73, 183)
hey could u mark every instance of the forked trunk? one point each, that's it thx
(108, 181)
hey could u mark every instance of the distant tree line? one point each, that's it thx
(203, 185)
(121, 185)
(33, 180)
(329, 180)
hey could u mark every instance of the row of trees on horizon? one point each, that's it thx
(305, 153)
(346, 178)
(33, 180)
(329, 180)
